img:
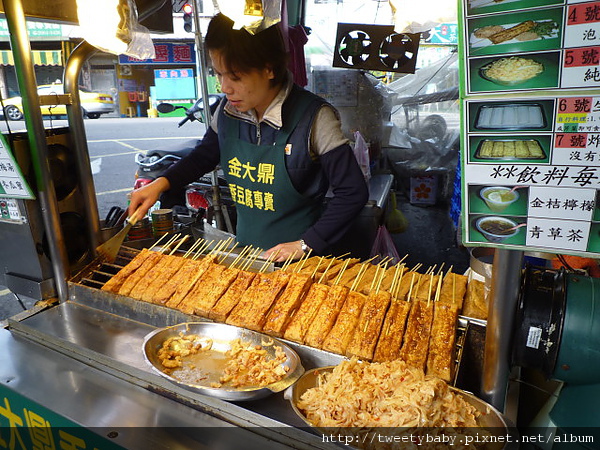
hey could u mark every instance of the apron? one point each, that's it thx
(269, 208)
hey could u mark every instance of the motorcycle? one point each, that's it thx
(197, 200)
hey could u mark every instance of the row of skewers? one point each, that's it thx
(377, 312)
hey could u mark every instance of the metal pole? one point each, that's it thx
(36, 134)
(201, 75)
(506, 282)
(77, 58)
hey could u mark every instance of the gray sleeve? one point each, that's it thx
(326, 132)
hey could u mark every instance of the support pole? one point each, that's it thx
(36, 135)
(201, 74)
(506, 282)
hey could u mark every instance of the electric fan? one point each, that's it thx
(398, 51)
(355, 47)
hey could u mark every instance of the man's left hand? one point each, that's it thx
(285, 251)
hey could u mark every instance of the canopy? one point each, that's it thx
(40, 58)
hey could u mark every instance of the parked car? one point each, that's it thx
(93, 103)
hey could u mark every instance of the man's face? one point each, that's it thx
(245, 91)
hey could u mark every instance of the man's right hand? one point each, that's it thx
(147, 196)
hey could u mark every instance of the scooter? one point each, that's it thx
(198, 198)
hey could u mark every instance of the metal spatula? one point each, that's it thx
(110, 249)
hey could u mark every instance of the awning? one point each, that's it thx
(40, 58)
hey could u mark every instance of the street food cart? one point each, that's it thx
(74, 370)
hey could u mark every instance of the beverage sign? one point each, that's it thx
(12, 182)
(531, 125)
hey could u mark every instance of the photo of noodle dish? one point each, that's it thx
(511, 70)
(361, 396)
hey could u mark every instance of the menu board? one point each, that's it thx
(12, 182)
(531, 125)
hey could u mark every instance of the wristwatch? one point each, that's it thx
(305, 248)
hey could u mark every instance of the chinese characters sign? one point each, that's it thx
(166, 53)
(12, 182)
(27, 425)
(519, 49)
(262, 175)
(532, 172)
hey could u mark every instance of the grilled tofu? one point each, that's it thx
(140, 275)
(232, 296)
(369, 326)
(326, 316)
(416, 337)
(187, 278)
(218, 288)
(115, 283)
(166, 272)
(338, 338)
(197, 297)
(287, 303)
(305, 314)
(440, 356)
(392, 332)
(454, 287)
(256, 314)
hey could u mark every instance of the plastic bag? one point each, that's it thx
(128, 37)
(252, 15)
(361, 152)
(384, 247)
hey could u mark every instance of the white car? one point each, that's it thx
(93, 103)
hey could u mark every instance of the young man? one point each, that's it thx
(280, 147)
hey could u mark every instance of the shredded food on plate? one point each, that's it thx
(389, 394)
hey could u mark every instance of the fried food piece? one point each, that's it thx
(427, 287)
(367, 278)
(218, 288)
(521, 150)
(440, 356)
(512, 32)
(454, 287)
(308, 265)
(115, 283)
(334, 271)
(232, 296)
(197, 297)
(139, 276)
(338, 338)
(475, 301)
(486, 149)
(392, 332)
(166, 271)
(187, 277)
(409, 280)
(326, 316)
(262, 282)
(535, 150)
(286, 304)
(486, 32)
(369, 326)
(305, 314)
(388, 278)
(257, 311)
(416, 338)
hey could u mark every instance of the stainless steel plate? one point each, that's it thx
(490, 419)
(210, 366)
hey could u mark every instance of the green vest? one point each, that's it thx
(269, 209)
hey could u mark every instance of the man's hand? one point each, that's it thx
(147, 196)
(285, 251)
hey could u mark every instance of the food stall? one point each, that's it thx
(79, 367)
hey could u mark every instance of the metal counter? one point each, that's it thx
(83, 359)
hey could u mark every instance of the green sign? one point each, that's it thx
(35, 29)
(26, 425)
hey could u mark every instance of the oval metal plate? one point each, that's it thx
(222, 336)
